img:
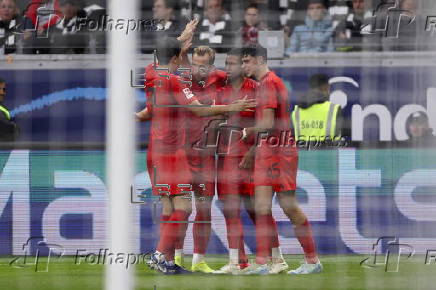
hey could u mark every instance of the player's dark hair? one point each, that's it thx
(317, 81)
(236, 52)
(174, 4)
(2, 81)
(255, 50)
(166, 49)
(322, 2)
(252, 5)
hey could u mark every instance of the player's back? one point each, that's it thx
(166, 98)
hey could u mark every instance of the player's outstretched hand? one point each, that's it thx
(244, 104)
(188, 33)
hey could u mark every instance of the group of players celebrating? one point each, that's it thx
(187, 114)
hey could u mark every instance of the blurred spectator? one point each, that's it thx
(419, 131)
(8, 129)
(97, 39)
(316, 34)
(197, 6)
(403, 33)
(166, 23)
(252, 25)
(274, 12)
(9, 22)
(338, 10)
(215, 28)
(42, 20)
(66, 36)
(348, 36)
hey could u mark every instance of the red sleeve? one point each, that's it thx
(269, 95)
(56, 18)
(31, 10)
(181, 92)
(32, 13)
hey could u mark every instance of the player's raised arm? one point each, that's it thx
(185, 40)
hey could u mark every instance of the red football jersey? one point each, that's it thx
(231, 142)
(166, 96)
(273, 94)
(207, 94)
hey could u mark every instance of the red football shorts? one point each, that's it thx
(169, 173)
(234, 180)
(202, 167)
(276, 167)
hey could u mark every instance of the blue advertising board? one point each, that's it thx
(69, 105)
(352, 197)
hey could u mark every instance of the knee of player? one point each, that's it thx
(288, 202)
(183, 203)
(263, 209)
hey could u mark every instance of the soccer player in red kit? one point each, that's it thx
(235, 173)
(206, 82)
(166, 159)
(275, 166)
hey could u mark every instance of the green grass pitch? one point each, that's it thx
(340, 272)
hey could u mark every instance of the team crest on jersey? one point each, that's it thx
(188, 93)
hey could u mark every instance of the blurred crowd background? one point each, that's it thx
(308, 26)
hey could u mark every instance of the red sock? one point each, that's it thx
(181, 241)
(243, 259)
(274, 233)
(305, 237)
(171, 233)
(201, 230)
(234, 231)
(263, 241)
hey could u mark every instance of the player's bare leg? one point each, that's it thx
(288, 202)
(201, 232)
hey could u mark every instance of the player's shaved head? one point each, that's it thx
(166, 49)
(236, 52)
(233, 64)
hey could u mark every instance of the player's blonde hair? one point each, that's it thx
(203, 50)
